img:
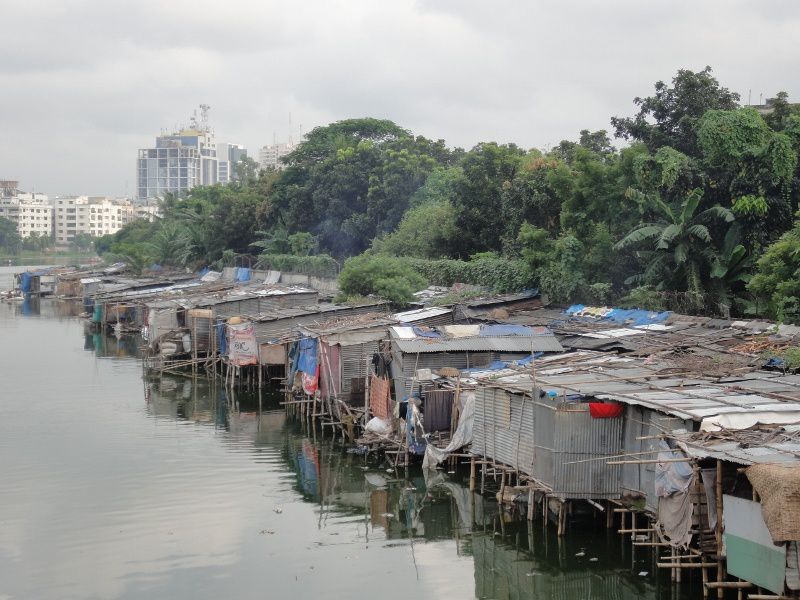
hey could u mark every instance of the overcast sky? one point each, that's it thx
(85, 83)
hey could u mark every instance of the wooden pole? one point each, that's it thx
(366, 392)
(472, 474)
(718, 533)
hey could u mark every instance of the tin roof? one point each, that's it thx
(475, 338)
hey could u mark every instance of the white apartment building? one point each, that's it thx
(89, 215)
(30, 211)
(269, 156)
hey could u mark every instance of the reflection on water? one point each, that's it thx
(118, 486)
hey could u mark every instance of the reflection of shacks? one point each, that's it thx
(504, 572)
(461, 347)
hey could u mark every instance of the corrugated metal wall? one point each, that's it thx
(405, 366)
(270, 330)
(504, 428)
(201, 331)
(354, 364)
(565, 433)
(641, 422)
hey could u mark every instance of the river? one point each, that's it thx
(115, 486)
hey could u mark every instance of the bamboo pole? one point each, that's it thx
(718, 533)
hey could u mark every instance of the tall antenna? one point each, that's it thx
(204, 108)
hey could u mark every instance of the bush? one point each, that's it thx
(384, 276)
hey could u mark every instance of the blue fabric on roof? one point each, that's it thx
(528, 359)
(242, 274)
(775, 362)
(202, 271)
(636, 316)
(307, 355)
(500, 330)
(626, 316)
(427, 333)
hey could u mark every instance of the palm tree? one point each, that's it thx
(683, 249)
(171, 245)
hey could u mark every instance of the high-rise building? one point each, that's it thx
(269, 156)
(184, 159)
(31, 212)
(228, 157)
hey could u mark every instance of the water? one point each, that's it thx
(117, 487)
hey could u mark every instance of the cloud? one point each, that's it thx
(88, 82)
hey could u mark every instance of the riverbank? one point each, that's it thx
(650, 425)
(119, 488)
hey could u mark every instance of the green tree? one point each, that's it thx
(682, 250)
(246, 170)
(425, 232)
(10, 240)
(82, 241)
(776, 283)
(669, 117)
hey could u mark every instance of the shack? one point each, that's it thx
(417, 351)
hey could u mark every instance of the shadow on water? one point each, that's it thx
(513, 558)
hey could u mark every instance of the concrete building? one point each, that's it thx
(31, 212)
(89, 215)
(188, 157)
(228, 157)
(146, 209)
(269, 156)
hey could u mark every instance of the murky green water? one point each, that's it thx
(118, 487)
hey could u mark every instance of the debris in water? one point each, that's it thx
(581, 553)
(643, 573)
(593, 559)
(278, 509)
(266, 531)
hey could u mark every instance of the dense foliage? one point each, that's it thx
(694, 214)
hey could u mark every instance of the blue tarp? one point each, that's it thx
(222, 342)
(307, 355)
(500, 330)
(500, 364)
(242, 274)
(624, 316)
(25, 282)
(427, 333)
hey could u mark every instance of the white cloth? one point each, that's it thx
(462, 436)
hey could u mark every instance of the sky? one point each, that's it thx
(85, 83)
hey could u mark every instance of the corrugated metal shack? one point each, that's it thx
(547, 434)
(416, 349)
(349, 342)
(195, 305)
